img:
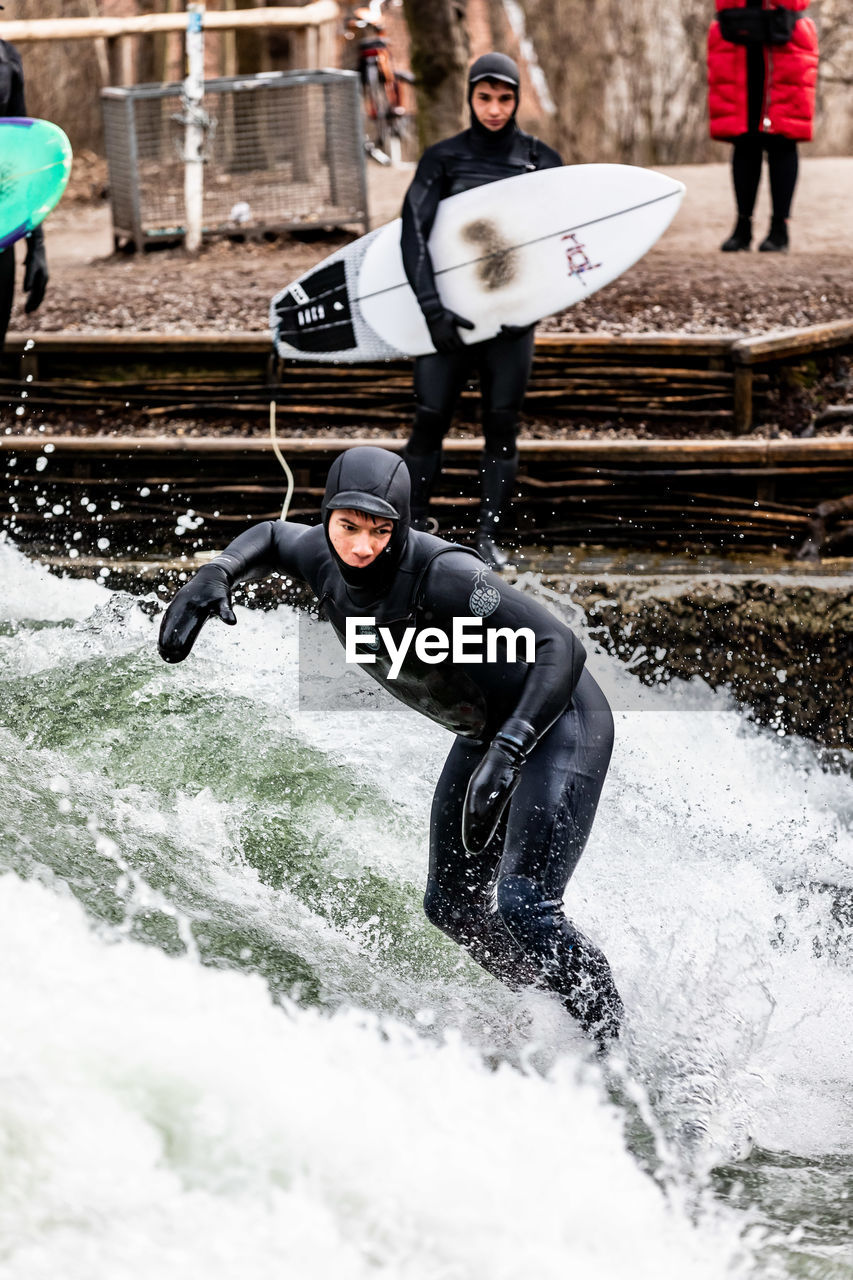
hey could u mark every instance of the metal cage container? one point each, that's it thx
(283, 151)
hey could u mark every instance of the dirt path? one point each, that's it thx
(683, 283)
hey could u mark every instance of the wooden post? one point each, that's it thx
(228, 47)
(112, 44)
(100, 47)
(743, 399)
(193, 113)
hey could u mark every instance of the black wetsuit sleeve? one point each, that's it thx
(551, 678)
(419, 209)
(271, 547)
(16, 104)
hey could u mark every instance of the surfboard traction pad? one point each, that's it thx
(319, 315)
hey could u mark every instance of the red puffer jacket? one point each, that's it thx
(790, 77)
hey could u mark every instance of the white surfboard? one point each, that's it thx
(509, 252)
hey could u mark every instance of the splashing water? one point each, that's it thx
(233, 1044)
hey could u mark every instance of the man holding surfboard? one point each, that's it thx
(35, 266)
(516, 799)
(492, 148)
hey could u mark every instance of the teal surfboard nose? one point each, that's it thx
(35, 163)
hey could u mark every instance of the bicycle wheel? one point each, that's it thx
(378, 111)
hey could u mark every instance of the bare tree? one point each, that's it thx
(629, 80)
(570, 40)
(834, 118)
(439, 53)
(62, 76)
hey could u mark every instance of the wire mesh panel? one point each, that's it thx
(283, 150)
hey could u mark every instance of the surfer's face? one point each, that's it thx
(358, 538)
(492, 103)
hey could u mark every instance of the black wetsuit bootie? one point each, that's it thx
(741, 237)
(776, 240)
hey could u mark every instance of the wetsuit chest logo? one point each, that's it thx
(484, 599)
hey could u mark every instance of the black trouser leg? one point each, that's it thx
(422, 456)
(497, 482)
(783, 163)
(504, 905)
(7, 289)
(498, 467)
(457, 898)
(438, 380)
(746, 172)
(504, 365)
(550, 819)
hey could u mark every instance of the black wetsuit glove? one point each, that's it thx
(35, 270)
(206, 595)
(493, 782)
(444, 326)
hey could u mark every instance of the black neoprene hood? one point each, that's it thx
(495, 66)
(500, 68)
(369, 479)
(376, 482)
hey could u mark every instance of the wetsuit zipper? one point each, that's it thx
(765, 106)
(768, 72)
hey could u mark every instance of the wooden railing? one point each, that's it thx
(314, 27)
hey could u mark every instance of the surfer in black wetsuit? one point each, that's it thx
(492, 148)
(516, 799)
(35, 266)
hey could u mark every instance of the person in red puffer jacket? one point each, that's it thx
(762, 73)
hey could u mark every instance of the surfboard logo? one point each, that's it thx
(484, 598)
(577, 257)
(312, 315)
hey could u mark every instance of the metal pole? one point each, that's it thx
(194, 117)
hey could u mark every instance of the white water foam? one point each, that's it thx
(161, 1118)
(31, 593)
(702, 881)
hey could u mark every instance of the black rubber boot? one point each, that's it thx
(424, 470)
(777, 237)
(496, 486)
(741, 237)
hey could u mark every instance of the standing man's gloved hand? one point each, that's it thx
(493, 782)
(206, 595)
(444, 326)
(35, 270)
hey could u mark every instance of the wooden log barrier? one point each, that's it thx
(139, 492)
(671, 376)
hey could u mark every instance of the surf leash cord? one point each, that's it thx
(278, 453)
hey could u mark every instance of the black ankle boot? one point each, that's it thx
(741, 237)
(777, 237)
(498, 481)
